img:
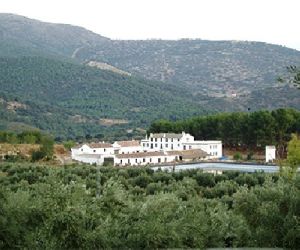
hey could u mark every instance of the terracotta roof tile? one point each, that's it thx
(100, 145)
(191, 153)
(167, 135)
(128, 143)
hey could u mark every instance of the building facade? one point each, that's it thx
(156, 149)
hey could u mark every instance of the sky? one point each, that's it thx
(272, 21)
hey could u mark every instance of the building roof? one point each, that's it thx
(140, 155)
(100, 145)
(94, 145)
(132, 143)
(202, 142)
(77, 146)
(189, 154)
(166, 135)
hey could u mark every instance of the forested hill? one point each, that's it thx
(45, 81)
(23, 36)
(69, 99)
(217, 68)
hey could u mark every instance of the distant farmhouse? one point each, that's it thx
(155, 149)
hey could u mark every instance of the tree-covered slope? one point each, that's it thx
(42, 68)
(48, 93)
(40, 37)
(212, 67)
(216, 68)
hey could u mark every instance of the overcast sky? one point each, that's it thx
(272, 21)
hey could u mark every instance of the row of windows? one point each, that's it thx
(166, 139)
(160, 145)
(213, 146)
(143, 160)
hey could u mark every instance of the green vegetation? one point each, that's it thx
(25, 137)
(46, 150)
(29, 137)
(44, 84)
(246, 130)
(68, 99)
(293, 156)
(57, 208)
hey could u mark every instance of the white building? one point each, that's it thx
(270, 153)
(157, 149)
(92, 153)
(183, 141)
(158, 157)
(126, 147)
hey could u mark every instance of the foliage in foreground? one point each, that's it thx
(57, 208)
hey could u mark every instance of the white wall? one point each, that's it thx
(212, 148)
(85, 149)
(166, 144)
(270, 153)
(148, 160)
(88, 159)
(128, 150)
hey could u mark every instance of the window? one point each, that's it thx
(94, 150)
(151, 145)
(172, 140)
(129, 161)
(161, 139)
(151, 139)
(81, 149)
(158, 160)
(184, 147)
(121, 161)
(144, 144)
(155, 145)
(160, 146)
(147, 145)
(144, 160)
(150, 160)
(104, 149)
(166, 145)
(190, 147)
(165, 159)
(135, 160)
(171, 146)
(166, 139)
(155, 139)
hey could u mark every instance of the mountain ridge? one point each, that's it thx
(169, 79)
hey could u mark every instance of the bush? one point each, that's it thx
(37, 155)
(237, 156)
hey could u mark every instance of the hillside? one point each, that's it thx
(23, 36)
(73, 82)
(67, 98)
(216, 68)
